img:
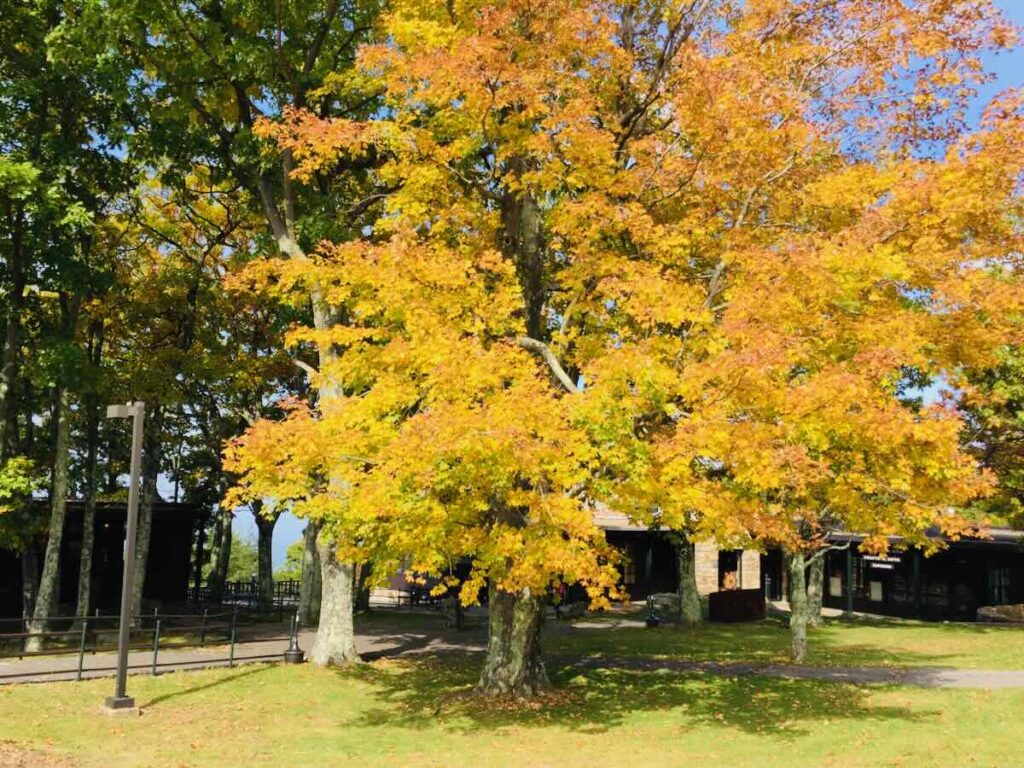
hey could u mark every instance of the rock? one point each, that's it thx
(998, 613)
(665, 603)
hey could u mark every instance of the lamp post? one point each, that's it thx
(136, 412)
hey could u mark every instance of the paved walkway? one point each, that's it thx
(925, 677)
(370, 645)
(390, 643)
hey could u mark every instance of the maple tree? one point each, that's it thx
(676, 256)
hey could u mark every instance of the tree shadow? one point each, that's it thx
(418, 694)
(252, 670)
(766, 641)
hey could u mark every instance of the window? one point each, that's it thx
(998, 584)
(728, 569)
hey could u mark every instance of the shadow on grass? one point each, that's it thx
(254, 670)
(766, 641)
(436, 690)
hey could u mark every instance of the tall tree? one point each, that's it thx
(62, 168)
(699, 234)
(215, 69)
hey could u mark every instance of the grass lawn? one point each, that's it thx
(859, 642)
(409, 713)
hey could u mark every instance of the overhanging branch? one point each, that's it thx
(542, 350)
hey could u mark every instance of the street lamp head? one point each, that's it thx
(118, 411)
(126, 411)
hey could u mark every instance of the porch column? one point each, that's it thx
(849, 579)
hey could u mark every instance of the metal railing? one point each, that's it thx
(150, 632)
(246, 593)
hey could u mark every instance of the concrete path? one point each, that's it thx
(370, 645)
(390, 643)
(925, 677)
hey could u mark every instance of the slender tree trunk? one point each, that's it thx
(309, 591)
(815, 587)
(335, 635)
(29, 579)
(151, 457)
(514, 666)
(689, 600)
(12, 342)
(265, 554)
(49, 583)
(361, 595)
(797, 606)
(92, 425)
(220, 555)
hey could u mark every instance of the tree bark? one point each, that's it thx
(265, 554)
(361, 596)
(12, 342)
(514, 666)
(797, 606)
(815, 588)
(92, 426)
(151, 457)
(29, 579)
(309, 591)
(689, 600)
(48, 581)
(220, 555)
(335, 635)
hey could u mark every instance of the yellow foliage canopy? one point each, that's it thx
(678, 257)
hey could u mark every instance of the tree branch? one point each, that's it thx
(309, 369)
(541, 349)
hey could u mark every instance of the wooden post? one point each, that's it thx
(156, 645)
(915, 555)
(231, 653)
(81, 649)
(849, 579)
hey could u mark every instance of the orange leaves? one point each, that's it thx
(315, 143)
(675, 204)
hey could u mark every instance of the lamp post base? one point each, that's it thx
(120, 705)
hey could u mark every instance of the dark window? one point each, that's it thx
(998, 584)
(728, 569)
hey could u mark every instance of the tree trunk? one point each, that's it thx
(309, 591)
(29, 579)
(14, 300)
(151, 457)
(265, 555)
(362, 588)
(49, 581)
(335, 634)
(797, 606)
(689, 600)
(513, 666)
(92, 426)
(220, 555)
(815, 588)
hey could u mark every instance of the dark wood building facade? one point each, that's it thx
(167, 571)
(948, 585)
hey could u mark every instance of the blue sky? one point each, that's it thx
(1009, 70)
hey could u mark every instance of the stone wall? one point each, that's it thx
(706, 564)
(750, 570)
(706, 554)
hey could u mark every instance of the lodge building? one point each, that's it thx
(168, 569)
(951, 584)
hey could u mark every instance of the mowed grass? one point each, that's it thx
(858, 642)
(416, 713)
